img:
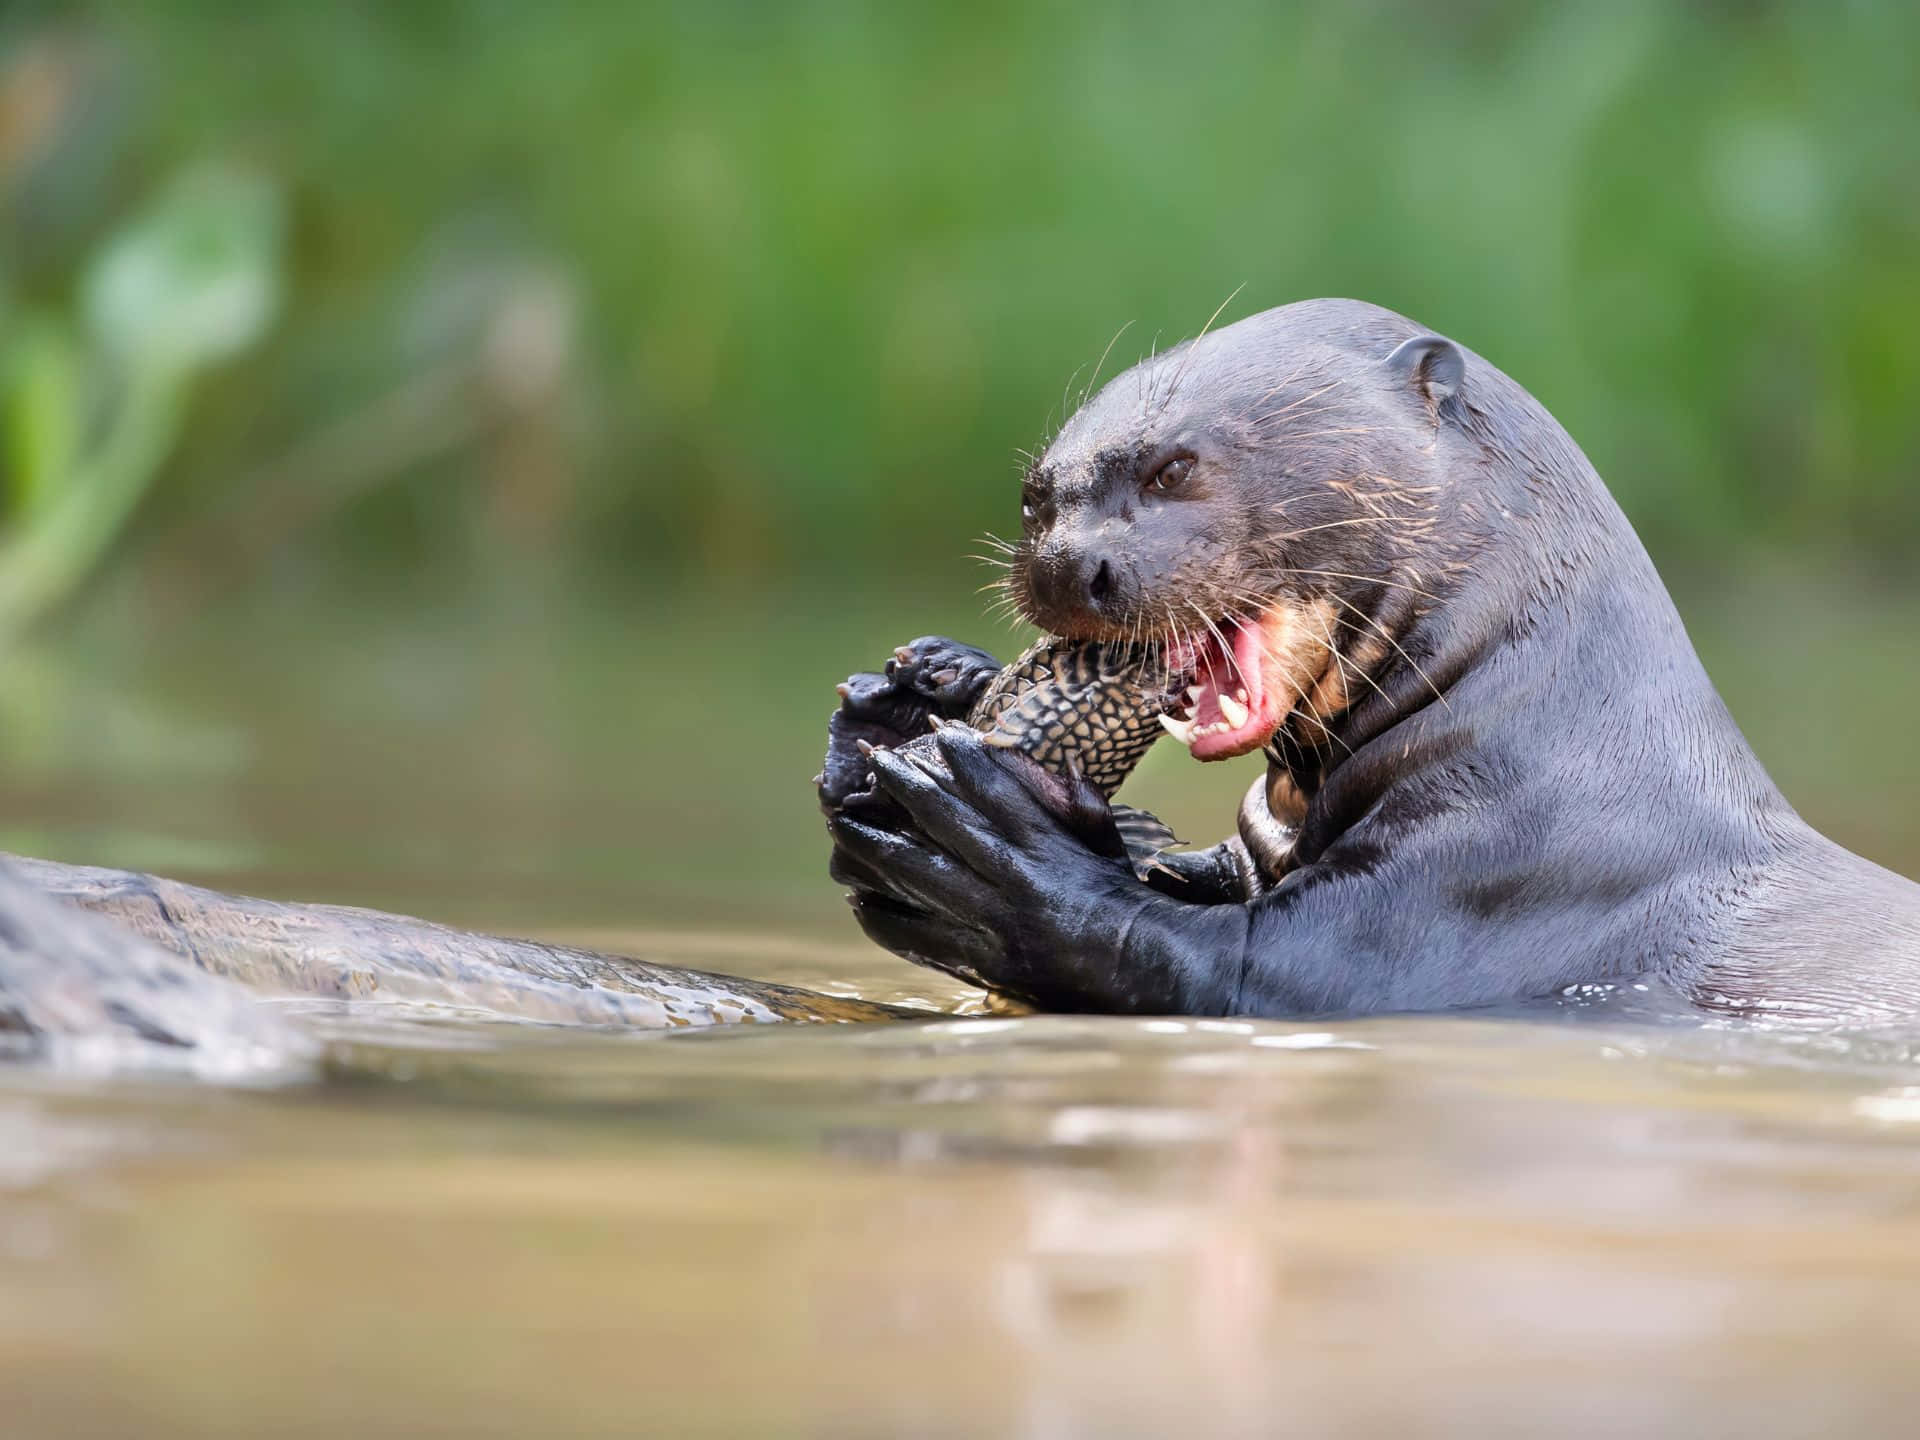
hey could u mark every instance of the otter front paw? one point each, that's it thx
(945, 674)
(929, 677)
(1219, 876)
(982, 878)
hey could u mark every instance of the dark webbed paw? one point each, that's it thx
(929, 677)
(846, 771)
(947, 675)
(1218, 876)
(1009, 875)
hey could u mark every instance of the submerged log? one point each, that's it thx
(337, 951)
(82, 994)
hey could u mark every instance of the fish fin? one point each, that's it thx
(1145, 835)
(1144, 828)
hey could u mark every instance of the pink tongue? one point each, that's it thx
(1237, 683)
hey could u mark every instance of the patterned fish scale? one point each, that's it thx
(1096, 704)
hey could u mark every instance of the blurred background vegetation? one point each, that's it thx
(466, 439)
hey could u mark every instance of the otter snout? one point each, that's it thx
(1072, 588)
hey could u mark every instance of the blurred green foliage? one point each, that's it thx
(625, 352)
(725, 294)
(90, 406)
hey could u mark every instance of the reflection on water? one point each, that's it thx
(1038, 1226)
(960, 1226)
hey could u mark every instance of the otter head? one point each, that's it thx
(1253, 502)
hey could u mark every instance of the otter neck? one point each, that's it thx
(1490, 659)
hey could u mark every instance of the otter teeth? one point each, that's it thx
(1187, 731)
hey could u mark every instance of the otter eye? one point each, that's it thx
(1171, 476)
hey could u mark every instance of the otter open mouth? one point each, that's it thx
(1244, 682)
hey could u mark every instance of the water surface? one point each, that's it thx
(966, 1225)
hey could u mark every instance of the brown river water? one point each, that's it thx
(1571, 1223)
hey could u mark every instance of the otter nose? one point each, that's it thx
(1069, 583)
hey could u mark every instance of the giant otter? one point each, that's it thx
(1498, 770)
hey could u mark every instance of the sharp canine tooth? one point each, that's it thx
(1181, 730)
(1194, 692)
(1236, 712)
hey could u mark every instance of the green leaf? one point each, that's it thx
(193, 280)
(40, 411)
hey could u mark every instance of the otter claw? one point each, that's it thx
(843, 690)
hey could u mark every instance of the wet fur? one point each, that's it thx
(1515, 775)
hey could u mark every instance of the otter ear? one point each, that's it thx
(1432, 363)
